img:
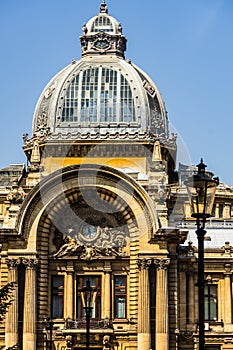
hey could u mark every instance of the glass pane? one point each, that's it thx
(57, 296)
(120, 296)
(98, 99)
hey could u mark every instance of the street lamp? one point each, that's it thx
(49, 328)
(201, 191)
(88, 295)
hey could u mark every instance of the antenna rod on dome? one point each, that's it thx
(103, 7)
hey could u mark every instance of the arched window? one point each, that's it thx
(102, 24)
(99, 94)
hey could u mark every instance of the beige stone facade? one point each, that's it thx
(101, 200)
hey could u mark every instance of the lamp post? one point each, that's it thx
(49, 327)
(201, 191)
(88, 295)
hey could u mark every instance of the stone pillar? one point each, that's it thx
(69, 292)
(107, 292)
(29, 317)
(161, 336)
(227, 295)
(11, 336)
(144, 338)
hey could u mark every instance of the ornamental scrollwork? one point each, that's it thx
(13, 263)
(161, 264)
(30, 263)
(144, 264)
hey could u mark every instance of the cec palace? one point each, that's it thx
(103, 201)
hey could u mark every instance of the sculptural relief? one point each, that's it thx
(91, 243)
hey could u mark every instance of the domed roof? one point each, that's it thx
(101, 95)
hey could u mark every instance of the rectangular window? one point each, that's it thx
(212, 347)
(57, 296)
(213, 210)
(120, 296)
(211, 304)
(95, 282)
(220, 210)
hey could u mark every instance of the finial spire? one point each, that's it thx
(103, 7)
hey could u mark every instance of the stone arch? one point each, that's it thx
(110, 184)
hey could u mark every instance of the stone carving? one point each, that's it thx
(157, 123)
(35, 156)
(162, 264)
(42, 131)
(149, 88)
(13, 263)
(68, 248)
(104, 242)
(49, 91)
(30, 263)
(144, 264)
(16, 194)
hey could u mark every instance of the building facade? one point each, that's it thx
(101, 200)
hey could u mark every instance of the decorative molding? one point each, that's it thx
(144, 264)
(30, 263)
(13, 263)
(161, 264)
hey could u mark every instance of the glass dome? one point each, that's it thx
(102, 95)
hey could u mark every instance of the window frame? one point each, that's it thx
(119, 294)
(209, 297)
(55, 293)
(98, 304)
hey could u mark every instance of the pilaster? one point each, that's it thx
(69, 300)
(144, 338)
(11, 336)
(162, 335)
(227, 294)
(107, 291)
(29, 325)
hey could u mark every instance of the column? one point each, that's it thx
(107, 291)
(227, 295)
(69, 292)
(11, 336)
(162, 336)
(29, 317)
(144, 338)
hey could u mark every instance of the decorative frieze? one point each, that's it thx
(145, 263)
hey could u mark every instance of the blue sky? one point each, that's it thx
(184, 45)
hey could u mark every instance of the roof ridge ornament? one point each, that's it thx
(103, 7)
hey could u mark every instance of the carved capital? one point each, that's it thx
(144, 264)
(227, 269)
(161, 264)
(30, 263)
(13, 263)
